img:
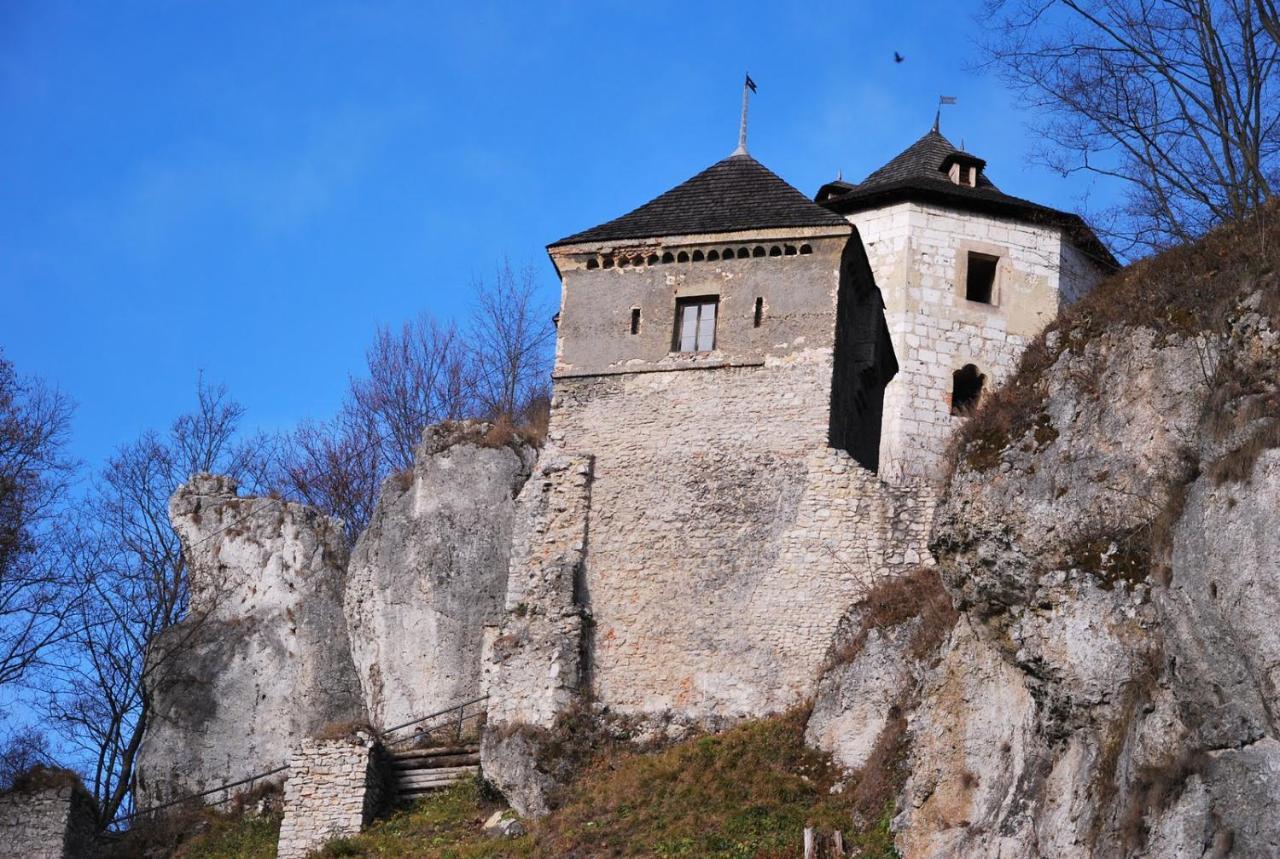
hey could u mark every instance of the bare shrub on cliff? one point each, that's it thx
(336, 466)
(34, 472)
(495, 367)
(124, 553)
(511, 333)
(419, 375)
(1179, 99)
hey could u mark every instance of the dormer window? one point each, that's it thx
(696, 324)
(963, 169)
(963, 174)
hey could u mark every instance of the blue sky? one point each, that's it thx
(249, 188)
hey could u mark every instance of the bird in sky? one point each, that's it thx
(897, 57)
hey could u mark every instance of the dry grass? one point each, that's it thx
(748, 792)
(1156, 788)
(347, 730)
(196, 831)
(894, 601)
(1237, 466)
(1114, 558)
(41, 777)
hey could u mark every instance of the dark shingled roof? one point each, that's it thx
(917, 174)
(738, 193)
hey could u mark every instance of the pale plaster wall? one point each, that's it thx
(919, 254)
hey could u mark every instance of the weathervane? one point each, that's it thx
(748, 86)
(937, 117)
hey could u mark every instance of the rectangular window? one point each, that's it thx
(696, 324)
(635, 320)
(759, 314)
(981, 278)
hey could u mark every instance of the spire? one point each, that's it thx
(748, 86)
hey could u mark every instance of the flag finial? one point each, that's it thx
(748, 86)
(937, 117)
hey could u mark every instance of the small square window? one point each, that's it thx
(695, 324)
(980, 280)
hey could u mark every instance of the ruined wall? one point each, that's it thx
(262, 657)
(537, 668)
(53, 823)
(919, 256)
(430, 572)
(335, 789)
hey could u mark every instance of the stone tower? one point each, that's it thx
(722, 357)
(969, 275)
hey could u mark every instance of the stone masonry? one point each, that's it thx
(536, 670)
(724, 536)
(918, 253)
(335, 789)
(54, 823)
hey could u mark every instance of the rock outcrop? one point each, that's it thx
(1110, 537)
(262, 658)
(429, 574)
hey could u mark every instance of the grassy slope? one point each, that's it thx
(746, 793)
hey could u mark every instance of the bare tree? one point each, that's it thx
(418, 376)
(511, 335)
(23, 749)
(129, 560)
(337, 467)
(424, 373)
(34, 472)
(1179, 99)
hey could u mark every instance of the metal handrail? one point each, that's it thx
(460, 709)
(445, 712)
(461, 706)
(181, 800)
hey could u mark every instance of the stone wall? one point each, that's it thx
(335, 789)
(54, 823)
(725, 539)
(918, 253)
(536, 671)
(262, 657)
(430, 573)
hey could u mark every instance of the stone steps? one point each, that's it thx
(416, 772)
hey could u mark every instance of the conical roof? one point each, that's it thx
(924, 160)
(919, 174)
(736, 194)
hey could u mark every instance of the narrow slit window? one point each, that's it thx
(635, 320)
(980, 280)
(759, 314)
(966, 389)
(696, 324)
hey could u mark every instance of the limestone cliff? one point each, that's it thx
(262, 658)
(430, 572)
(1110, 538)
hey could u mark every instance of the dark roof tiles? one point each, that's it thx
(738, 193)
(916, 174)
(922, 160)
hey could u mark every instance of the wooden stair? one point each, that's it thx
(416, 772)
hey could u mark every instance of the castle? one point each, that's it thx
(752, 395)
(754, 391)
